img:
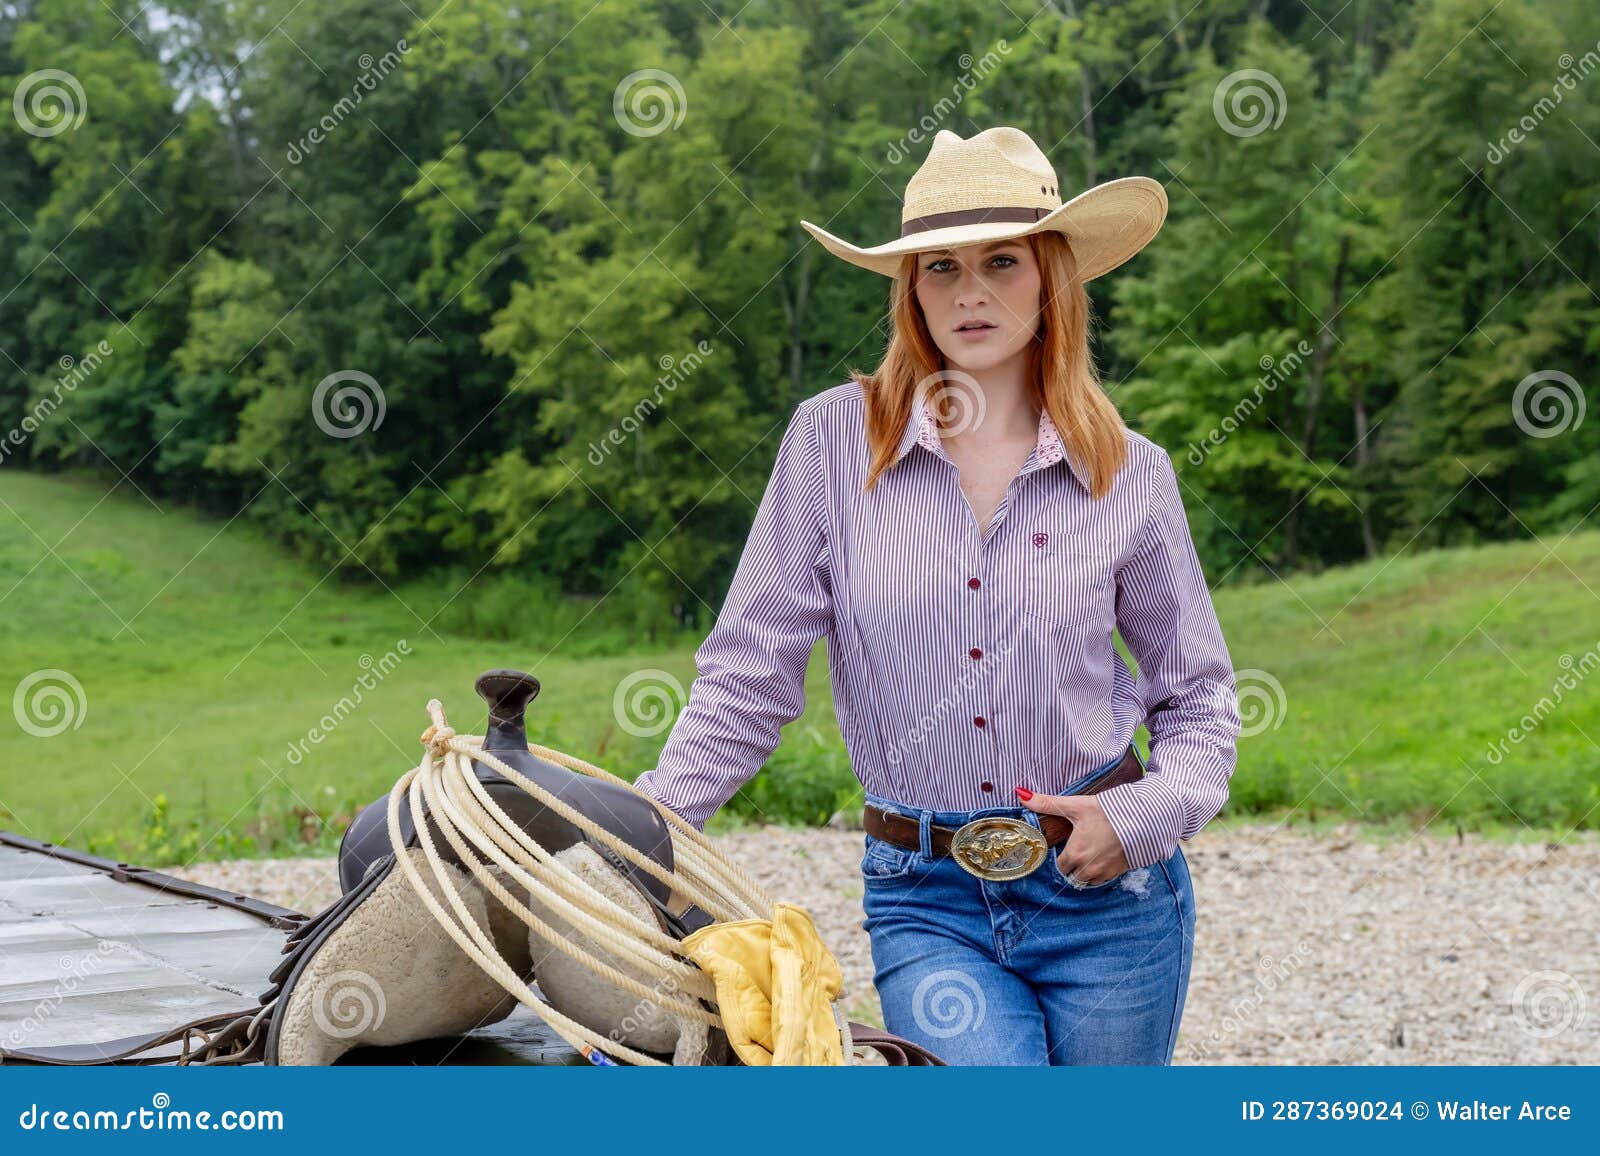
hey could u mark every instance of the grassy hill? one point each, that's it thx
(213, 667)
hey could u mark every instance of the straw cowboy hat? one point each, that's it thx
(998, 184)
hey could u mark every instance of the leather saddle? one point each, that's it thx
(375, 968)
(624, 813)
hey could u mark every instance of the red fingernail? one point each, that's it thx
(1024, 794)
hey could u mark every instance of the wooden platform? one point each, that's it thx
(92, 949)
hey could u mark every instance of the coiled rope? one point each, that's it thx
(472, 823)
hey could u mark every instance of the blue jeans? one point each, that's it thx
(1032, 970)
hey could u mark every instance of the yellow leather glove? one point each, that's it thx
(776, 982)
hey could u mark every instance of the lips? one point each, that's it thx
(966, 325)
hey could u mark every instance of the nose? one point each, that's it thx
(971, 289)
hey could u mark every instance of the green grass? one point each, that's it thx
(1400, 676)
(205, 653)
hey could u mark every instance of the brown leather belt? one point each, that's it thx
(902, 830)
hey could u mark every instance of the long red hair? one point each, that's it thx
(1061, 373)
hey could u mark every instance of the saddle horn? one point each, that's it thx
(625, 813)
(508, 693)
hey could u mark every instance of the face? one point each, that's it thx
(995, 282)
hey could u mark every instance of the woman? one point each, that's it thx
(968, 525)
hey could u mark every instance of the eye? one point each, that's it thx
(933, 267)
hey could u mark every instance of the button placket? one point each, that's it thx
(974, 621)
(980, 633)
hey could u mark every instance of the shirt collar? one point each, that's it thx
(920, 430)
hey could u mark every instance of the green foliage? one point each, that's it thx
(1368, 324)
(281, 826)
(807, 779)
(587, 327)
(160, 840)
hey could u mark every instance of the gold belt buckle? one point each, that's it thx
(996, 847)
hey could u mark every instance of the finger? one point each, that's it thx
(1065, 805)
(1073, 865)
(1076, 876)
(1086, 862)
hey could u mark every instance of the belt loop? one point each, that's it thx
(925, 833)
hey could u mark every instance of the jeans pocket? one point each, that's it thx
(883, 861)
(1061, 876)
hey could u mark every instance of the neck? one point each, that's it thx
(1006, 408)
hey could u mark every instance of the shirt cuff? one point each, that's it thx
(1147, 818)
(646, 787)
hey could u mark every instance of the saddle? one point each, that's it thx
(375, 967)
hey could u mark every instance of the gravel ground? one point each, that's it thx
(1334, 948)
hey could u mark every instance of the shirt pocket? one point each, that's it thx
(1070, 586)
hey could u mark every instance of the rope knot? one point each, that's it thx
(437, 739)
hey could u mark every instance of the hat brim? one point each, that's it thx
(1107, 225)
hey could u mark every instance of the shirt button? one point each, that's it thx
(986, 786)
(978, 722)
(975, 652)
(974, 583)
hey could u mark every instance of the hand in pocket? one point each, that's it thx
(1093, 854)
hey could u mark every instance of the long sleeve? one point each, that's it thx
(1166, 617)
(752, 665)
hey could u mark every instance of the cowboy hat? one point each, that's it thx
(997, 185)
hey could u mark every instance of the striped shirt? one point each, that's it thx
(962, 665)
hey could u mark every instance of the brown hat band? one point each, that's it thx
(973, 217)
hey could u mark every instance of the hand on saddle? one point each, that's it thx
(1092, 854)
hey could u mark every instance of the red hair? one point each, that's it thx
(1060, 371)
